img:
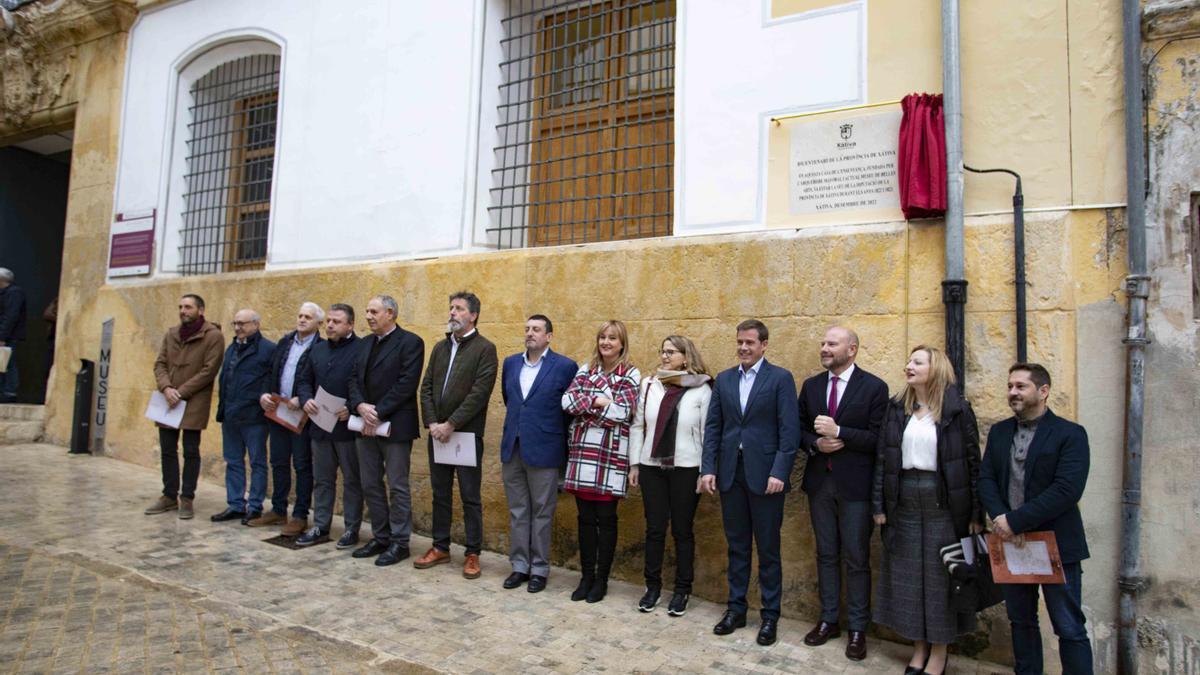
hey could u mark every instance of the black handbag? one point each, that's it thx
(987, 592)
(972, 588)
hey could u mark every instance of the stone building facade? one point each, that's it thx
(383, 178)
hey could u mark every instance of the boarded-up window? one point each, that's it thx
(585, 147)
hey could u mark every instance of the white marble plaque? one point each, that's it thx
(848, 163)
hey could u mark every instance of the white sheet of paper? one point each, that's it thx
(327, 405)
(357, 423)
(160, 411)
(460, 449)
(5, 355)
(1032, 558)
(968, 546)
(292, 417)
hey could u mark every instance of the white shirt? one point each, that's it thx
(380, 337)
(530, 371)
(746, 381)
(287, 379)
(918, 450)
(841, 388)
(454, 352)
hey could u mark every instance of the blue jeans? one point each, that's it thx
(288, 450)
(1063, 604)
(237, 439)
(10, 380)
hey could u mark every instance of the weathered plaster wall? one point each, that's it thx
(883, 280)
(1169, 626)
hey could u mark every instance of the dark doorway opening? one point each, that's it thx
(34, 177)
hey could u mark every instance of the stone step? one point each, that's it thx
(22, 412)
(23, 431)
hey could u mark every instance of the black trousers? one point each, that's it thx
(470, 488)
(843, 533)
(597, 537)
(669, 498)
(168, 442)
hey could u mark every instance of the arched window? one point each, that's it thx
(232, 111)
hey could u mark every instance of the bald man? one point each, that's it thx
(245, 374)
(841, 412)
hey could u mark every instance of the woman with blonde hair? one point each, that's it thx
(666, 443)
(602, 398)
(924, 498)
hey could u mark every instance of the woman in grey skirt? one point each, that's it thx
(924, 498)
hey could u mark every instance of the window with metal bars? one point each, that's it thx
(585, 138)
(230, 165)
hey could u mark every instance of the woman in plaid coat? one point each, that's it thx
(602, 398)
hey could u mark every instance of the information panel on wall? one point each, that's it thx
(131, 244)
(844, 164)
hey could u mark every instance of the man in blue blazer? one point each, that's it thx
(1032, 478)
(750, 442)
(533, 450)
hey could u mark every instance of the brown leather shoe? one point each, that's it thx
(294, 528)
(822, 633)
(161, 505)
(434, 556)
(471, 566)
(186, 510)
(856, 648)
(268, 518)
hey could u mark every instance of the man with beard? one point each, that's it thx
(454, 397)
(288, 448)
(186, 367)
(329, 366)
(841, 412)
(1033, 474)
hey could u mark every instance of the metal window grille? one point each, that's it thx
(230, 165)
(585, 139)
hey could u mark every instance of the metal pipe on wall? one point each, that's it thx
(954, 286)
(1018, 201)
(1137, 288)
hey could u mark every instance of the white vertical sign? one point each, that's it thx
(103, 365)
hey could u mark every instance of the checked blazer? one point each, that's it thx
(598, 440)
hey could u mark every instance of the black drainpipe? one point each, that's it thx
(1018, 202)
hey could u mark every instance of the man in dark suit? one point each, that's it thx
(533, 450)
(750, 442)
(383, 389)
(1032, 478)
(12, 331)
(454, 397)
(841, 411)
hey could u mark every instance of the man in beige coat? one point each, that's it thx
(185, 369)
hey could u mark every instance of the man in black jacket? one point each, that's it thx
(12, 331)
(1032, 478)
(382, 390)
(289, 448)
(841, 411)
(329, 366)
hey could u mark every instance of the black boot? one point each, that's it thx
(587, 550)
(606, 550)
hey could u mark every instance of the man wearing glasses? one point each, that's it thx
(246, 373)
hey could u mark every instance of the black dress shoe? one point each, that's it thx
(515, 579)
(537, 584)
(251, 516)
(856, 648)
(349, 540)
(766, 634)
(730, 622)
(394, 554)
(370, 549)
(911, 670)
(228, 514)
(821, 633)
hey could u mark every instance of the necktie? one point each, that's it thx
(833, 403)
(833, 400)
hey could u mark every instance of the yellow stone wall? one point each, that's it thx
(884, 281)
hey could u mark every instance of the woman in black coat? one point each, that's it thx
(924, 498)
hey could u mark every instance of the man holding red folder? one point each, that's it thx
(1032, 478)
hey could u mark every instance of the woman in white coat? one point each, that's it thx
(665, 445)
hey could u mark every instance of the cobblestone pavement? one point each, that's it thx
(87, 583)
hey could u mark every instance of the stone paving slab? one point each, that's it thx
(73, 515)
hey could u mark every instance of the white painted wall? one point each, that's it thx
(387, 115)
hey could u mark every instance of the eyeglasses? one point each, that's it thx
(670, 352)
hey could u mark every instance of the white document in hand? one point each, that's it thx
(1032, 558)
(460, 449)
(357, 423)
(328, 406)
(292, 417)
(160, 411)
